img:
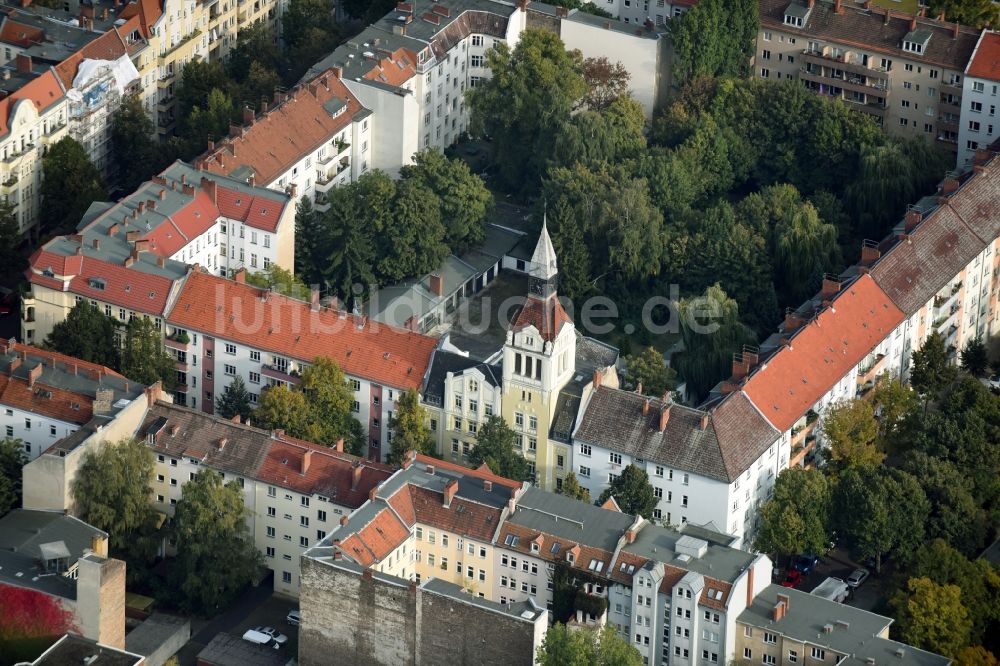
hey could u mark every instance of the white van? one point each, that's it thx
(259, 638)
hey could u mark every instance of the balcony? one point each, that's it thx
(872, 371)
(846, 63)
(802, 433)
(282, 375)
(180, 343)
(176, 47)
(951, 89)
(855, 83)
(952, 106)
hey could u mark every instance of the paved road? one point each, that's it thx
(236, 614)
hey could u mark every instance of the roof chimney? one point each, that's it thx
(913, 218)
(664, 417)
(779, 611)
(306, 459)
(954, 32)
(838, 7)
(208, 186)
(222, 443)
(436, 284)
(630, 536)
(430, 469)
(240, 276)
(869, 253)
(248, 115)
(339, 445)
(645, 406)
(174, 429)
(488, 485)
(597, 379)
(96, 243)
(704, 421)
(34, 374)
(793, 321)
(23, 63)
(948, 186)
(343, 520)
(830, 288)
(785, 599)
(449, 492)
(314, 299)
(356, 476)
(638, 388)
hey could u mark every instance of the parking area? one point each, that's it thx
(259, 607)
(838, 564)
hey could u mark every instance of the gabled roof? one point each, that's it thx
(145, 12)
(42, 92)
(20, 34)
(985, 61)
(822, 352)
(546, 315)
(109, 46)
(395, 69)
(288, 327)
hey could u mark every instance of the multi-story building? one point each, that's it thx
(979, 127)
(460, 394)
(46, 396)
(222, 328)
(707, 467)
(312, 139)
(645, 12)
(903, 70)
(786, 626)
(128, 258)
(295, 491)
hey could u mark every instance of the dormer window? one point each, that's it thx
(916, 41)
(534, 547)
(796, 15)
(570, 558)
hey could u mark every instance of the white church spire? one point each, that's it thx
(544, 258)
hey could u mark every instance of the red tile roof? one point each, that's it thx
(547, 316)
(330, 473)
(396, 69)
(282, 136)
(376, 540)
(42, 91)
(462, 517)
(123, 286)
(184, 226)
(58, 404)
(281, 325)
(985, 63)
(20, 34)
(822, 352)
(145, 14)
(109, 46)
(256, 211)
(482, 472)
(585, 554)
(55, 357)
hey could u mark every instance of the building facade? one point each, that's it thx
(979, 127)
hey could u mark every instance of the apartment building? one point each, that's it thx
(904, 70)
(707, 467)
(979, 126)
(223, 328)
(128, 258)
(46, 396)
(645, 12)
(314, 138)
(295, 491)
(787, 626)
(412, 67)
(460, 394)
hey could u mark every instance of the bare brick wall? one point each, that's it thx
(352, 620)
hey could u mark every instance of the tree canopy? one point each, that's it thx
(649, 370)
(497, 447)
(632, 492)
(71, 184)
(585, 647)
(87, 334)
(234, 400)
(12, 460)
(409, 428)
(143, 356)
(932, 617)
(796, 519)
(571, 488)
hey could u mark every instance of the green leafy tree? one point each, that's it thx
(259, 84)
(208, 120)
(714, 38)
(851, 429)
(955, 513)
(975, 656)
(143, 356)
(70, 185)
(464, 199)
(280, 407)
(977, 13)
(526, 102)
(607, 82)
(87, 334)
(216, 557)
(650, 370)
(281, 280)
(931, 371)
(796, 519)
(584, 647)
(368, 11)
(111, 490)
(309, 33)
(409, 429)
(234, 400)
(12, 460)
(254, 45)
(198, 79)
(932, 617)
(135, 153)
(10, 238)
(309, 240)
(894, 402)
(414, 243)
(609, 136)
(571, 488)
(330, 398)
(632, 491)
(879, 510)
(711, 332)
(496, 445)
(975, 359)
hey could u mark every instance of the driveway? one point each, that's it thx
(838, 564)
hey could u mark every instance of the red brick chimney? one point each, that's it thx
(449, 492)
(339, 445)
(630, 536)
(23, 63)
(240, 276)
(343, 520)
(488, 485)
(314, 299)
(34, 374)
(356, 476)
(645, 406)
(597, 379)
(248, 115)
(949, 185)
(436, 285)
(704, 421)
(869, 254)
(913, 218)
(830, 288)
(208, 186)
(664, 417)
(306, 460)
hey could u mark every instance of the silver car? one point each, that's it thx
(279, 638)
(857, 577)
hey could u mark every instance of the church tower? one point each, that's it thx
(538, 361)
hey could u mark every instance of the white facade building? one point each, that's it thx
(980, 125)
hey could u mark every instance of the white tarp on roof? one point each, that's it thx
(122, 69)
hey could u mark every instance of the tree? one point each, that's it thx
(584, 647)
(208, 120)
(796, 519)
(409, 429)
(931, 371)
(308, 240)
(280, 407)
(330, 398)
(70, 185)
(975, 359)
(607, 82)
(851, 429)
(955, 514)
(975, 656)
(216, 556)
(932, 617)
(632, 491)
(496, 446)
(281, 280)
(111, 490)
(10, 238)
(649, 370)
(87, 334)
(29, 614)
(607, 137)
(414, 243)
(525, 103)
(977, 13)
(144, 358)
(12, 460)
(714, 38)
(234, 400)
(464, 199)
(894, 401)
(134, 152)
(571, 488)
(804, 250)
(878, 510)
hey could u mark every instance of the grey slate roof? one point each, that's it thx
(732, 439)
(720, 562)
(570, 519)
(443, 362)
(853, 631)
(521, 610)
(71, 650)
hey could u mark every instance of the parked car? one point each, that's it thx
(260, 638)
(792, 578)
(991, 382)
(278, 637)
(293, 618)
(857, 577)
(806, 563)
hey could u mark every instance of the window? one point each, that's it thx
(585, 449)
(793, 656)
(477, 40)
(818, 653)
(304, 542)
(973, 125)
(230, 370)
(584, 471)
(286, 577)
(769, 659)
(255, 378)
(615, 458)
(271, 512)
(978, 86)
(255, 356)
(230, 349)
(270, 532)
(304, 521)
(769, 638)
(765, 73)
